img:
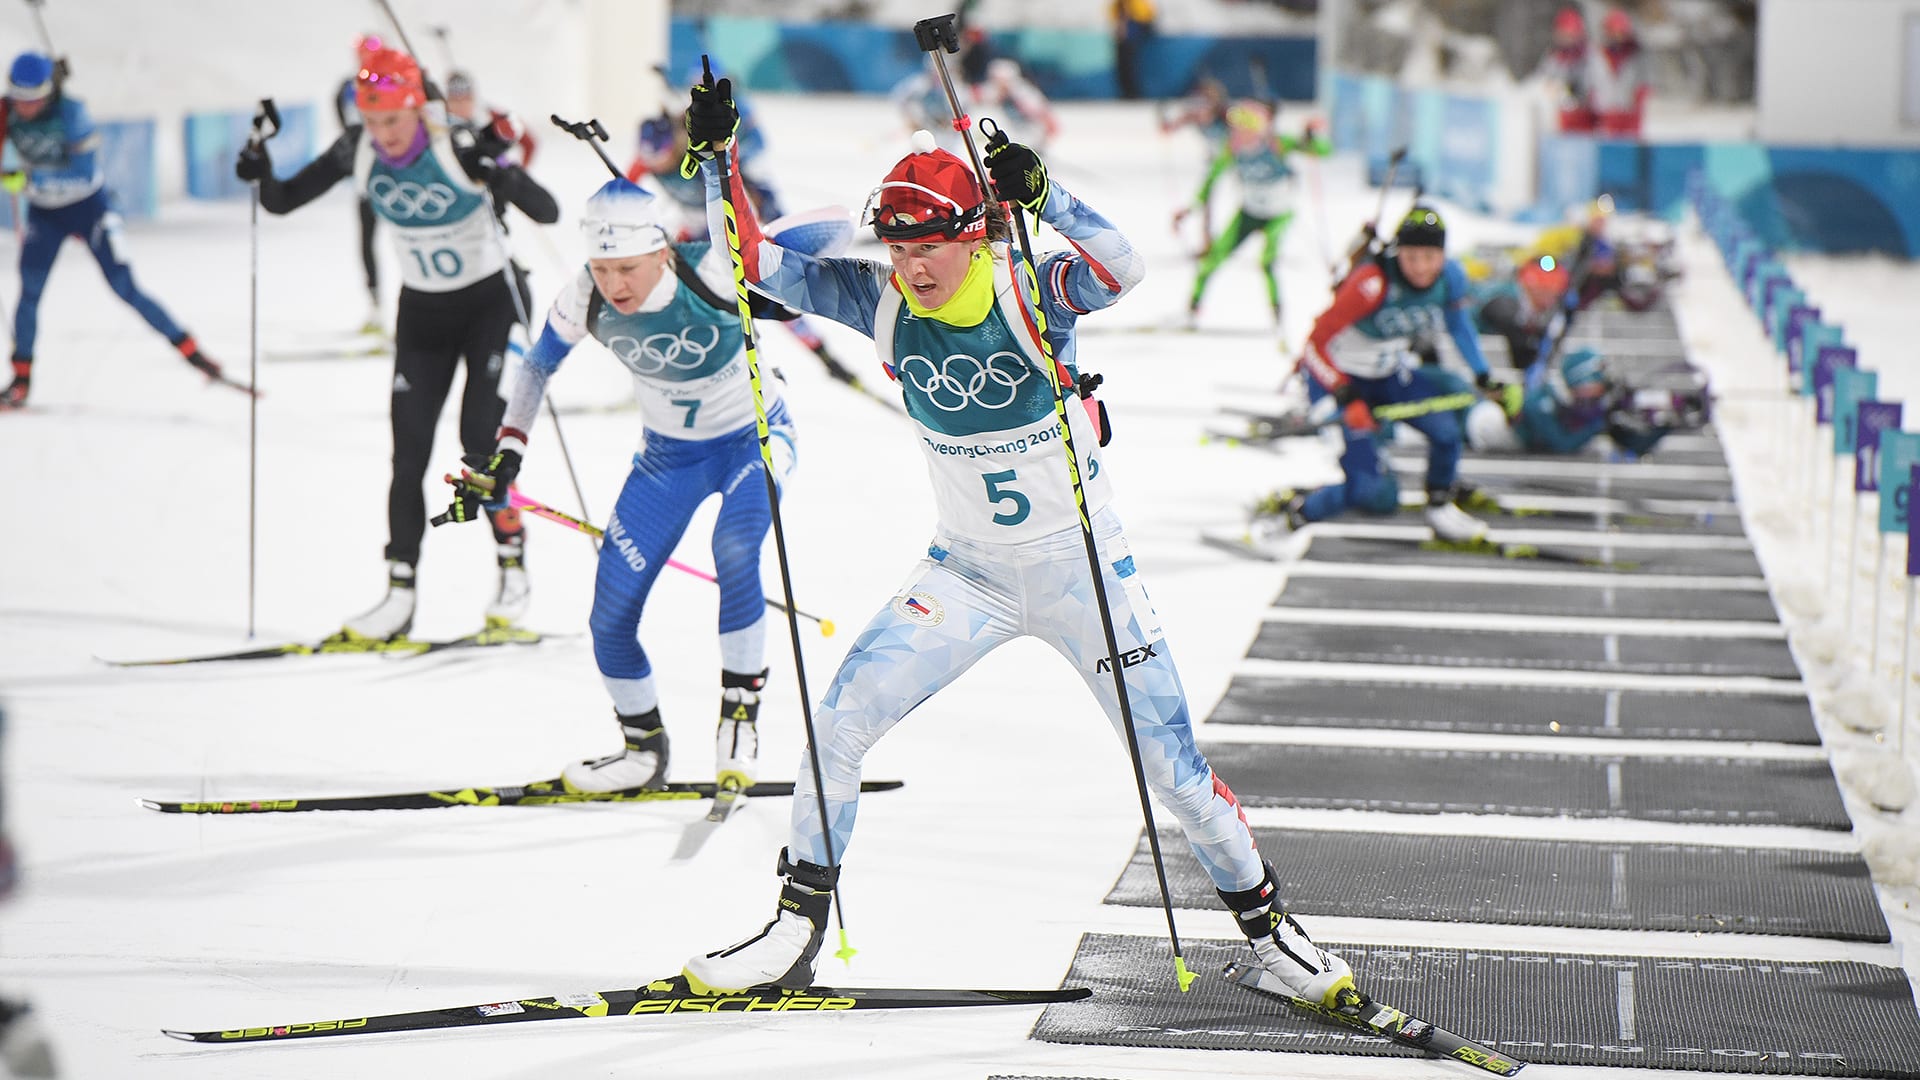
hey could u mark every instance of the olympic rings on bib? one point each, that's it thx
(686, 351)
(962, 380)
(406, 199)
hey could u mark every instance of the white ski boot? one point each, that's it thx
(784, 951)
(1284, 950)
(392, 617)
(736, 744)
(642, 763)
(1276, 526)
(510, 603)
(1450, 523)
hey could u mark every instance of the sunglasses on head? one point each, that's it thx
(893, 223)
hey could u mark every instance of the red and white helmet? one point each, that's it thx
(388, 80)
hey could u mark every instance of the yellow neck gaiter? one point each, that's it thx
(969, 304)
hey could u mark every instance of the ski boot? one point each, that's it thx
(510, 602)
(641, 763)
(784, 951)
(385, 622)
(736, 749)
(1450, 524)
(1282, 947)
(190, 350)
(15, 394)
(1276, 526)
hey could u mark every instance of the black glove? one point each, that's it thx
(477, 163)
(1018, 175)
(484, 485)
(253, 163)
(712, 120)
(492, 138)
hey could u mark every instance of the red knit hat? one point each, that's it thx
(929, 195)
(388, 80)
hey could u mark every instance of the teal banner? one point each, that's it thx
(1899, 456)
(1815, 338)
(1851, 386)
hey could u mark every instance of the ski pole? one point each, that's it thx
(266, 124)
(1404, 410)
(402, 32)
(446, 48)
(1370, 230)
(722, 155)
(939, 36)
(591, 133)
(539, 509)
(60, 68)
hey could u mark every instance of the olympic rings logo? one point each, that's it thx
(406, 199)
(962, 380)
(685, 351)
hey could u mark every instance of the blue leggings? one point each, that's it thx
(94, 221)
(1370, 485)
(669, 481)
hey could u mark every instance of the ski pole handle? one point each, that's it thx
(590, 132)
(266, 122)
(940, 32)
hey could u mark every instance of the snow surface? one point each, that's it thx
(127, 489)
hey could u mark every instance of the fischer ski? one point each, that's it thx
(342, 646)
(538, 793)
(1402, 1029)
(665, 997)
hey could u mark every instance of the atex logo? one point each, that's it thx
(406, 199)
(1127, 659)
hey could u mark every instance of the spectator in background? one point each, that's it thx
(1617, 78)
(463, 106)
(1015, 103)
(1565, 70)
(1132, 26)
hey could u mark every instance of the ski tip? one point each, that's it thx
(151, 804)
(183, 1036)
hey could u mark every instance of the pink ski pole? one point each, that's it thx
(539, 509)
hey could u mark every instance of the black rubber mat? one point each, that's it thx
(1476, 879)
(1726, 523)
(1451, 647)
(1623, 559)
(1753, 1017)
(1709, 790)
(1487, 473)
(1516, 710)
(1375, 594)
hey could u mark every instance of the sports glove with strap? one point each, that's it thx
(1019, 176)
(712, 120)
(485, 484)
